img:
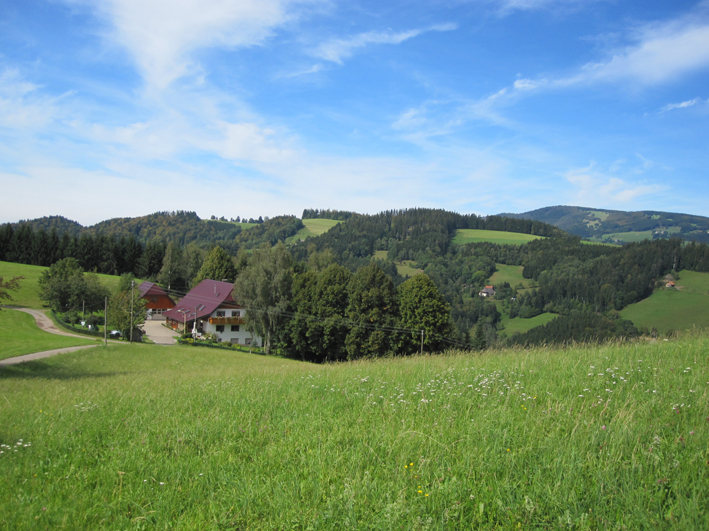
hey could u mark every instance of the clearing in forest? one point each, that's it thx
(463, 236)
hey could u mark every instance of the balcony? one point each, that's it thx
(226, 320)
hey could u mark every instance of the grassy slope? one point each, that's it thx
(129, 437)
(19, 335)
(668, 309)
(313, 227)
(463, 236)
(404, 268)
(519, 325)
(511, 274)
(27, 296)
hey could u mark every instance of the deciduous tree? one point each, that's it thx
(264, 288)
(422, 307)
(11, 285)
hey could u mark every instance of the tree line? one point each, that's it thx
(328, 313)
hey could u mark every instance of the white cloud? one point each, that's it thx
(682, 105)
(336, 50)
(595, 188)
(162, 34)
(663, 53)
(22, 107)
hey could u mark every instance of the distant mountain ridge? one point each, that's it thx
(618, 226)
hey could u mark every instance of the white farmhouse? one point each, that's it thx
(210, 308)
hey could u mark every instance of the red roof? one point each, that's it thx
(202, 300)
(148, 288)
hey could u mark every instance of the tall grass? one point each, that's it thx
(140, 437)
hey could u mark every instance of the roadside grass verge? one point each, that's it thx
(674, 309)
(463, 236)
(20, 335)
(140, 437)
(28, 294)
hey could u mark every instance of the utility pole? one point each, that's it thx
(105, 321)
(131, 310)
(421, 341)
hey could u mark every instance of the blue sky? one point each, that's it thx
(264, 107)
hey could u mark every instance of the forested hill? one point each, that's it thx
(49, 223)
(408, 233)
(180, 227)
(619, 226)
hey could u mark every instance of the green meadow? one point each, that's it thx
(28, 296)
(19, 335)
(313, 227)
(147, 437)
(404, 268)
(463, 236)
(674, 309)
(519, 325)
(511, 274)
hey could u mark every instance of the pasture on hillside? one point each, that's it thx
(512, 275)
(674, 309)
(463, 236)
(147, 437)
(28, 295)
(518, 325)
(313, 227)
(405, 268)
(19, 335)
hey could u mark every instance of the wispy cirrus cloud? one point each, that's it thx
(682, 105)
(593, 186)
(161, 35)
(337, 50)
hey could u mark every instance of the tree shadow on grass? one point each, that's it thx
(42, 369)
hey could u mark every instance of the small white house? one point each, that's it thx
(227, 324)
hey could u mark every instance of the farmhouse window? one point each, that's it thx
(220, 328)
(235, 313)
(221, 313)
(234, 328)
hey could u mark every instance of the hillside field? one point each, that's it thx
(313, 227)
(404, 268)
(674, 309)
(511, 274)
(519, 325)
(19, 335)
(27, 296)
(147, 437)
(463, 236)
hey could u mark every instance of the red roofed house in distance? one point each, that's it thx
(210, 308)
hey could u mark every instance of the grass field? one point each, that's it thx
(141, 437)
(19, 335)
(27, 296)
(670, 309)
(510, 274)
(519, 325)
(463, 236)
(313, 227)
(404, 268)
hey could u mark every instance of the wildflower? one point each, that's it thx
(603, 427)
